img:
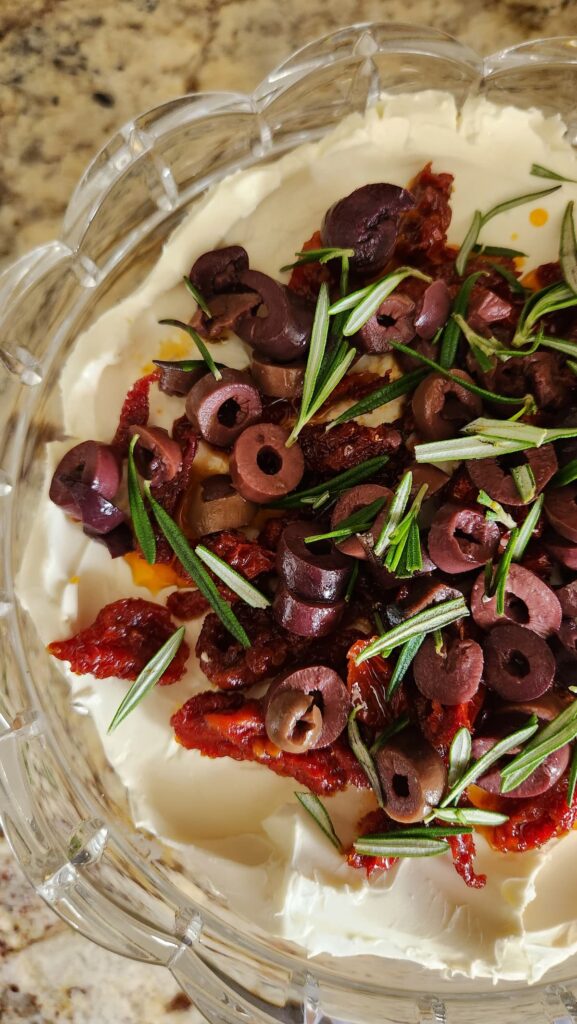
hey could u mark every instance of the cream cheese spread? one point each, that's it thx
(237, 826)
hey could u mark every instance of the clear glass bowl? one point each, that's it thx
(64, 812)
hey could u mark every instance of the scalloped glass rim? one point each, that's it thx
(82, 854)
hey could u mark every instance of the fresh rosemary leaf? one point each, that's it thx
(572, 779)
(233, 579)
(525, 531)
(496, 513)
(480, 219)
(395, 727)
(469, 816)
(352, 581)
(148, 678)
(199, 344)
(435, 831)
(562, 730)
(359, 522)
(568, 248)
(459, 755)
(320, 815)
(198, 298)
(140, 520)
(317, 256)
(402, 386)
(507, 430)
(437, 617)
(566, 475)
(508, 275)
(452, 330)
(406, 655)
(336, 485)
(404, 555)
(377, 294)
(188, 365)
(317, 347)
(479, 767)
(548, 300)
(195, 569)
(456, 449)
(543, 172)
(336, 373)
(393, 846)
(349, 301)
(499, 586)
(395, 514)
(362, 755)
(378, 620)
(524, 480)
(498, 250)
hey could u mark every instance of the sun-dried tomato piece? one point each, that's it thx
(231, 725)
(367, 684)
(227, 664)
(463, 851)
(533, 822)
(248, 557)
(370, 824)
(346, 445)
(135, 410)
(439, 722)
(121, 641)
(306, 280)
(423, 229)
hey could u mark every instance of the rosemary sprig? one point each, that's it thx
(562, 730)
(479, 767)
(497, 250)
(352, 582)
(524, 480)
(233, 579)
(452, 330)
(377, 294)
(543, 172)
(320, 815)
(418, 841)
(548, 300)
(568, 248)
(513, 282)
(489, 439)
(495, 512)
(459, 755)
(404, 556)
(525, 531)
(498, 579)
(194, 567)
(317, 256)
(468, 816)
(140, 520)
(363, 755)
(199, 344)
(198, 298)
(335, 486)
(406, 655)
(148, 677)
(358, 522)
(395, 513)
(481, 219)
(402, 386)
(506, 430)
(566, 475)
(437, 617)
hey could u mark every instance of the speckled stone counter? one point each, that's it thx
(71, 72)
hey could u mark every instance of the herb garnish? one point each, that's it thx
(562, 730)
(395, 389)
(233, 579)
(358, 522)
(524, 480)
(404, 556)
(198, 298)
(538, 171)
(495, 512)
(468, 816)
(194, 567)
(363, 755)
(568, 248)
(497, 581)
(320, 815)
(394, 514)
(525, 531)
(452, 329)
(140, 520)
(572, 779)
(335, 486)
(479, 767)
(318, 256)
(459, 755)
(352, 582)
(419, 841)
(406, 655)
(490, 438)
(548, 300)
(480, 219)
(437, 617)
(148, 677)
(199, 344)
(375, 296)
(566, 475)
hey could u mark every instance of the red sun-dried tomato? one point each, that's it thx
(463, 851)
(346, 445)
(423, 229)
(367, 684)
(121, 641)
(306, 280)
(135, 410)
(439, 722)
(248, 557)
(370, 824)
(231, 725)
(227, 664)
(534, 822)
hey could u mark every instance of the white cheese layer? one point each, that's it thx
(237, 826)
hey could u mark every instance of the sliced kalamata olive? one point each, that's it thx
(568, 599)
(226, 310)
(280, 327)
(424, 593)
(96, 513)
(412, 775)
(93, 464)
(451, 677)
(486, 307)
(492, 475)
(441, 407)
(393, 321)
(158, 458)
(561, 510)
(567, 635)
(279, 380)
(528, 602)
(432, 476)
(562, 550)
(215, 505)
(221, 409)
(507, 720)
(176, 381)
(304, 617)
(118, 541)
(262, 467)
(366, 221)
(317, 571)
(435, 307)
(461, 539)
(218, 270)
(518, 663)
(352, 501)
(296, 725)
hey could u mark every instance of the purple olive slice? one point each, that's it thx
(174, 380)
(568, 599)
(221, 409)
(561, 510)
(412, 776)
(528, 602)
(435, 308)
(226, 310)
(215, 505)
(562, 550)
(93, 464)
(218, 270)
(306, 709)
(461, 539)
(441, 406)
(432, 476)
(158, 458)
(451, 677)
(518, 663)
(318, 571)
(278, 380)
(492, 476)
(304, 617)
(486, 307)
(567, 636)
(352, 501)
(424, 592)
(366, 221)
(393, 321)
(280, 326)
(98, 515)
(118, 541)
(262, 467)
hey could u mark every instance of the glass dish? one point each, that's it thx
(64, 812)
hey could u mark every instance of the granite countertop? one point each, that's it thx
(71, 73)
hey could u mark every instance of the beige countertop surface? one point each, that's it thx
(71, 73)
